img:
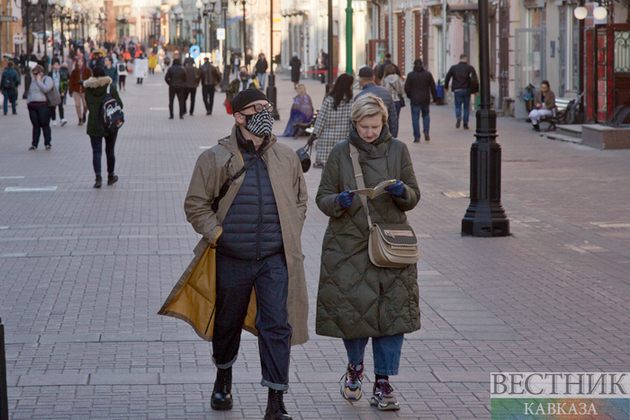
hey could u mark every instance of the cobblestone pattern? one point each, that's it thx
(83, 273)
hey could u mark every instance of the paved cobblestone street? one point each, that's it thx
(84, 271)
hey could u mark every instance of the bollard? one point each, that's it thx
(4, 399)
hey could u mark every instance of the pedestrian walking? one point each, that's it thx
(96, 89)
(9, 85)
(190, 86)
(236, 60)
(322, 65)
(394, 84)
(210, 77)
(333, 120)
(464, 78)
(111, 70)
(544, 104)
(356, 300)
(419, 87)
(295, 64)
(381, 67)
(248, 59)
(255, 230)
(61, 80)
(243, 82)
(366, 80)
(38, 110)
(301, 111)
(175, 78)
(261, 70)
(121, 66)
(153, 61)
(76, 90)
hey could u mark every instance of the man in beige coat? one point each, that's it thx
(256, 229)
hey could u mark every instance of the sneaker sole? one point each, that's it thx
(351, 395)
(389, 406)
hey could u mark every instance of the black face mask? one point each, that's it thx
(243, 75)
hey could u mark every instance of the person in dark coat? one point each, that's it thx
(462, 74)
(192, 82)
(61, 80)
(381, 67)
(419, 87)
(261, 70)
(9, 85)
(95, 91)
(175, 79)
(295, 64)
(357, 300)
(210, 77)
(366, 80)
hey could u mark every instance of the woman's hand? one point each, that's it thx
(345, 199)
(397, 189)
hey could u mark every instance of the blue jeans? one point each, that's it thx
(9, 97)
(462, 97)
(386, 352)
(235, 280)
(261, 78)
(415, 120)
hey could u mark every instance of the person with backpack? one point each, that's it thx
(98, 89)
(175, 78)
(121, 66)
(465, 82)
(419, 87)
(192, 82)
(9, 84)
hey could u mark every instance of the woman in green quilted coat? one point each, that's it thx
(356, 299)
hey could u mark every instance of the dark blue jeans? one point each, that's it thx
(415, 120)
(9, 97)
(386, 351)
(462, 97)
(97, 153)
(40, 113)
(270, 279)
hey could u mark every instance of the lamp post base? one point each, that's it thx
(485, 216)
(272, 95)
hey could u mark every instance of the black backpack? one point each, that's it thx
(7, 83)
(122, 67)
(110, 116)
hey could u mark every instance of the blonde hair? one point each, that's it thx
(366, 106)
(302, 86)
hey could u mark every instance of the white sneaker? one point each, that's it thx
(54, 122)
(63, 122)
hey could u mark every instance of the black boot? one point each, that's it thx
(98, 182)
(222, 394)
(275, 406)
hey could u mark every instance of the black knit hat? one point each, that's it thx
(246, 97)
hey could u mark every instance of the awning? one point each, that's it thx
(231, 21)
(463, 7)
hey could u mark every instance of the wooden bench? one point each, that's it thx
(565, 113)
(305, 128)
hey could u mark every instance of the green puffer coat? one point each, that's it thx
(357, 299)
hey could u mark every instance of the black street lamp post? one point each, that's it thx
(272, 92)
(485, 216)
(329, 85)
(27, 69)
(244, 51)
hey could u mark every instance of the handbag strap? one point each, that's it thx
(358, 176)
(230, 181)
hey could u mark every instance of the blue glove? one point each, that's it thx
(397, 189)
(345, 199)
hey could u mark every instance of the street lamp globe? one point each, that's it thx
(75, 8)
(600, 13)
(213, 2)
(165, 8)
(580, 13)
(62, 3)
(199, 5)
(34, 2)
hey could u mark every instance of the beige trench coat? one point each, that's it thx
(213, 168)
